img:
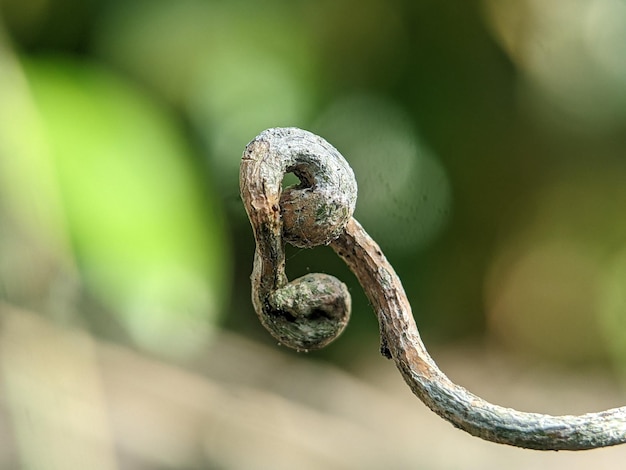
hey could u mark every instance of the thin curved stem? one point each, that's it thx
(312, 311)
(449, 400)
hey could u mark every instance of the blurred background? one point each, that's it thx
(488, 140)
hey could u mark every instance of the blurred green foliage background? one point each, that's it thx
(488, 139)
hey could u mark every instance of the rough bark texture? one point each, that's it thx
(313, 310)
(317, 212)
(451, 401)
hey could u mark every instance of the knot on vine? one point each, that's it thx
(311, 311)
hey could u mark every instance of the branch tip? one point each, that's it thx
(312, 311)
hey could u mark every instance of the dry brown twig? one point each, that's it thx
(311, 311)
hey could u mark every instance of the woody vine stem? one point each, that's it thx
(311, 311)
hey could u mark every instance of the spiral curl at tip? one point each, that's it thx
(311, 311)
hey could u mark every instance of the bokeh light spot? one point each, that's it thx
(404, 193)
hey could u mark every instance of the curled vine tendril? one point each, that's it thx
(311, 311)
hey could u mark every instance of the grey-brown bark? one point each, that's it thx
(312, 311)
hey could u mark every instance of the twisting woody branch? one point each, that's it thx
(311, 311)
